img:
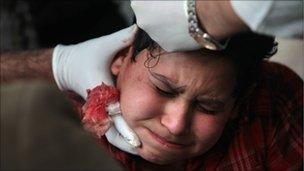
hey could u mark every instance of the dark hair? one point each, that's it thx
(246, 50)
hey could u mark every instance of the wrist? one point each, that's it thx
(219, 19)
(198, 31)
(27, 65)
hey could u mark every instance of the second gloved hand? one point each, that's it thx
(166, 22)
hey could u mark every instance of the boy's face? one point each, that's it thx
(179, 107)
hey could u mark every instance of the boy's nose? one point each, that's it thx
(176, 117)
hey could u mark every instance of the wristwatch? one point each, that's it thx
(200, 35)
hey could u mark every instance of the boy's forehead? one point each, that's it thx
(190, 63)
(178, 61)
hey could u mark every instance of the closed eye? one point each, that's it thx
(207, 110)
(165, 93)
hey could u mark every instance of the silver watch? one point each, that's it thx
(200, 36)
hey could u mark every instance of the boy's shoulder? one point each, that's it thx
(278, 88)
(268, 132)
(273, 72)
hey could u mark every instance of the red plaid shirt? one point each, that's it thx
(267, 135)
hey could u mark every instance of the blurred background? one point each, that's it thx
(32, 24)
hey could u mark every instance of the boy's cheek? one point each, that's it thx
(212, 127)
(139, 106)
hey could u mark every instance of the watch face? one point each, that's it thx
(210, 46)
(209, 43)
(205, 43)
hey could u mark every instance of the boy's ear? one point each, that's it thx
(121, 58)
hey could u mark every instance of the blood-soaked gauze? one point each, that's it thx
(95, 107)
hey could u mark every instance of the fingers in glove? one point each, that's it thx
(115, 138)
(126, 132)
(121, 125)
(127, 35)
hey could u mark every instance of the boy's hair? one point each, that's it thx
(246, 50)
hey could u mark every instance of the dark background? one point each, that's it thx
(32, 24)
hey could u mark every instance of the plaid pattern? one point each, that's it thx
(267, 134)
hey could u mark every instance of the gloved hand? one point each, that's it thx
(166, 22)
(86, 65)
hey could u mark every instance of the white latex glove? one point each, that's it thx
(166, 22)
(86, 65)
